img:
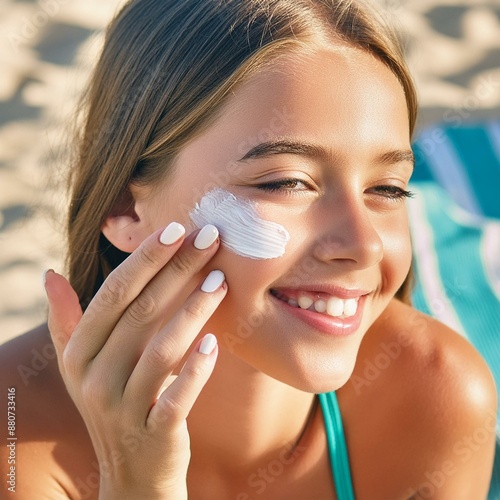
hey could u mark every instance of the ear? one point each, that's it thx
(123, 228)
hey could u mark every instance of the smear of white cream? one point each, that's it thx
(241, 229)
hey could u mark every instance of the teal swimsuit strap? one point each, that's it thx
(337, 446)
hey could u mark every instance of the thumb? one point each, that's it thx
(64, 309)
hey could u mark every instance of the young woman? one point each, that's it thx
(236, 322)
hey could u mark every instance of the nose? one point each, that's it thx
(349, 235)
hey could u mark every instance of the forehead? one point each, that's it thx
(332, 96)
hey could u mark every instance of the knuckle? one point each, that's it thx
(95, 393)
(195, 310)
(143, 308)
(163, 351)
(147, 256)
(182, 264)
(194, 370)
(93, 396)
(71, 360)
(172, 410)
(113, 291)
(90, 391)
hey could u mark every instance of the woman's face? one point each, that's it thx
(334, 124)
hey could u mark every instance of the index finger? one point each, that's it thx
(122, 287)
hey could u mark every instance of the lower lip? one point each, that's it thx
(327, 324)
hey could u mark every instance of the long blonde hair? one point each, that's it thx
(164, 72)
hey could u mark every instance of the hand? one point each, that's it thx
(117, 360)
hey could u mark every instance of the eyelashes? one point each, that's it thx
(393, 192)
(284, 185)
(289, 186)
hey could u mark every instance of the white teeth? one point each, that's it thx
(350, 307)
(320, 306)
(335, 306)
(305, 302)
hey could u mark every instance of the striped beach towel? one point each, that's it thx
(455, 224)
(465, 161)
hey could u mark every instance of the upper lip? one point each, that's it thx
(335, 291)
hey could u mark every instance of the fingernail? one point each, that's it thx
(213, 281)
(208, 344)
(44, 275)
(172, 233)
(206, 237)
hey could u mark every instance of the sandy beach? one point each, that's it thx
(47, 48)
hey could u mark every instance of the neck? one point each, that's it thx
(244, 417)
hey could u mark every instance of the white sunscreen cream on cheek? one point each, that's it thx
(241, 229)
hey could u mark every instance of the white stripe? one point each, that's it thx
(490, 255)
(427, 264)
(448, 169)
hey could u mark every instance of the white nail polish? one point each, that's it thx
(172, 233)
(206, 237)
(208, 344)
(44, 276)
(213, 281)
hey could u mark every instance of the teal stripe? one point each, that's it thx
(463, 276)
(434, 294)
(418, 296)
(493, 129)
(337, 446)
(422, 170)
(460, 265)
(494, 493)
(476, 152)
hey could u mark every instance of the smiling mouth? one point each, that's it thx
(319, 302)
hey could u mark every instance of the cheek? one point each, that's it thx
(247, 279)
(397, 253)
(242, 312)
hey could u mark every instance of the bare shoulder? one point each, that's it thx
(433, 402)
(47, 425)
(422, 358)
(26, 358)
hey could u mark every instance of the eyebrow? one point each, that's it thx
(278, 147)
(397, 156)
(284, 147)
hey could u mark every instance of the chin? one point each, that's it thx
(319, 384)
(313, 374)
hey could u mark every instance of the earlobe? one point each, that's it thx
(123, 232)
(123, 228)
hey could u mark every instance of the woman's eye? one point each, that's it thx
(285, 185)
(393, 192)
